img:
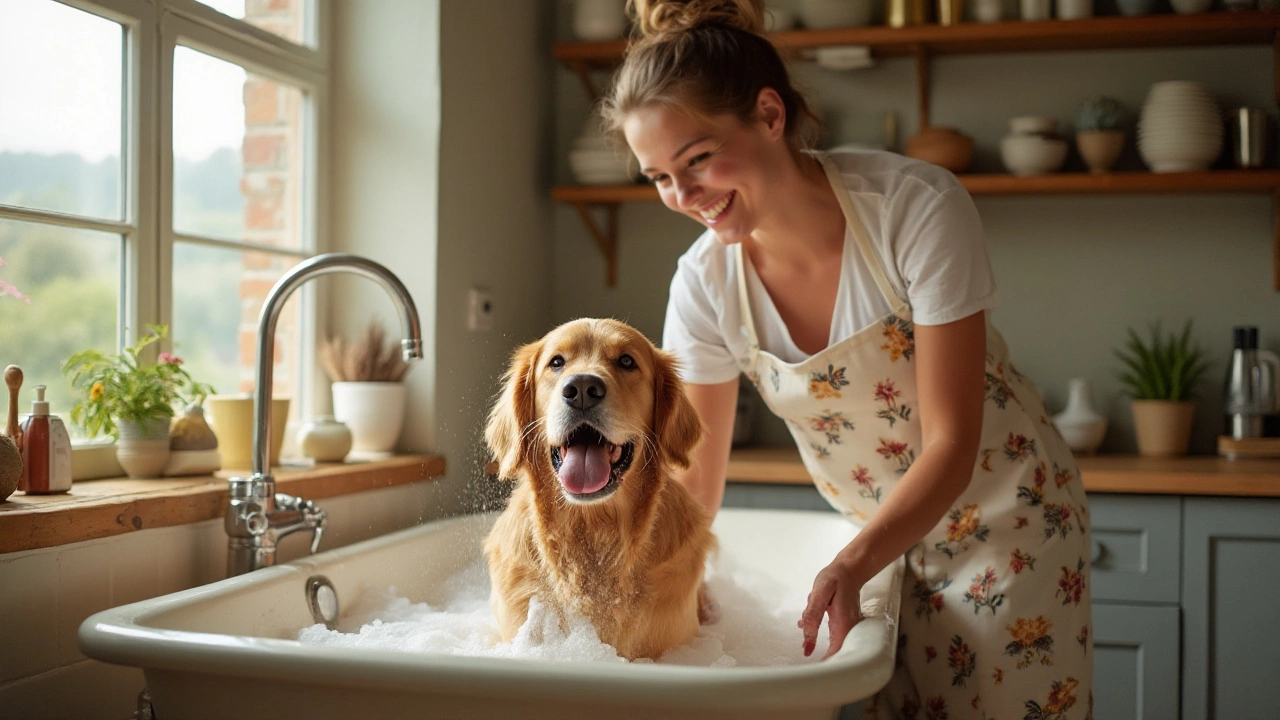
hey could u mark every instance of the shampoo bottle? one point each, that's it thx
(46, 451)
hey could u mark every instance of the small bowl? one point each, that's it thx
(1033, 125)
(1032, 154)
(943, 146)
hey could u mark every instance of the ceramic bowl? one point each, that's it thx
(943, 146)
(1032, 154)
(1033, 125)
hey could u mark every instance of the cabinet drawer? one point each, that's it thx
(1136, 547)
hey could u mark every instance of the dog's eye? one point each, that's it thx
(557, 362)
(626, 362)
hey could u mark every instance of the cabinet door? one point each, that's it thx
(1231, 582)
(1135, 661)
(1137, 547)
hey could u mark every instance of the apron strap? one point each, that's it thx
(869, 255)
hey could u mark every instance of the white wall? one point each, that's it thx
(1074, 271)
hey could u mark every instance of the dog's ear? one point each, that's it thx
(509, 420)
(675, 423)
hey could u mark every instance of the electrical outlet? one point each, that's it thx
(479, 310)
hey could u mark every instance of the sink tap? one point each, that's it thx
(258, 516)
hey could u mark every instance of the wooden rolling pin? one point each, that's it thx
(13, 378)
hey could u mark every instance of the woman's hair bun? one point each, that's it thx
(654, 18)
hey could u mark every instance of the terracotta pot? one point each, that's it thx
(1100, 148)
(943, 146)
(1163, 426)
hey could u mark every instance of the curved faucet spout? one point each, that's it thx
(411, 343)
(257, 516)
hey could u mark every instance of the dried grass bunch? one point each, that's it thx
(372, 359)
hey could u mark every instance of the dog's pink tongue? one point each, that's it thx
(585, 468)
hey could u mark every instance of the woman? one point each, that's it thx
(852, 289)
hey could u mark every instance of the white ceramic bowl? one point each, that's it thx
(1033, 125)
(1032, 154)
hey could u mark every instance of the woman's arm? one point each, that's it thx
(950, 361)
(716, 405)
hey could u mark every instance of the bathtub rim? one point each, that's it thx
(123, 636)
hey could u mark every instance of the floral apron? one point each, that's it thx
(995, 619)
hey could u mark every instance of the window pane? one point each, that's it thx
(285, 18)
(60, 109)
(72, 278)
(237, 146)
(217, 296)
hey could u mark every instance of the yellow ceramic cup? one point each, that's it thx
(231, 417)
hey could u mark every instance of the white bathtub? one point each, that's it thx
(228, 650)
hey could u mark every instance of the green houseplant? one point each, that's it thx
(1100, 132)
(123, 396)
(1160, 373)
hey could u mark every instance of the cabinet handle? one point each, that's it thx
(1098, 551)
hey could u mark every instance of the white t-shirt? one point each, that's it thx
(922, 224)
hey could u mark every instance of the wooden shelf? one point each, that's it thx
(1209, 181)
(1191, 475)
(1096, 33)
(102, 508)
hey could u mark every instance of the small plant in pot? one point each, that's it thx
(1161, 373)
(368, 395)
(1100, 132)
(132, 400)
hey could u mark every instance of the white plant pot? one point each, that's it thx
(143, 449)
(374, 412)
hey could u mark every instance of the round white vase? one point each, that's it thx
(374, 412)
(1081, 426)
(143, 448)
(324, 439)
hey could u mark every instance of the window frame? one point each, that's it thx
(153, 29)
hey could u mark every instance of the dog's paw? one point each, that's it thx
(708, 610)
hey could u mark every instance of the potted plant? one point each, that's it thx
(1161, 373)
(368, 395)
(132, 400)
(1099, 132)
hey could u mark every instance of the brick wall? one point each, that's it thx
(271, 185)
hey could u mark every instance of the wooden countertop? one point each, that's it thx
(102, 508)
(1190, 475)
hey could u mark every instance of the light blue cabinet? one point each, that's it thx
(1231, 600)
(1186, 602)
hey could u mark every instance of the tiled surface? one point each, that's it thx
(84, 588)
(28, 596)
(134, 567)
(86, 690)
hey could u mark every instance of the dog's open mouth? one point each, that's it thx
(588, 465)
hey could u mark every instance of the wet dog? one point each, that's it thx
(591, 421)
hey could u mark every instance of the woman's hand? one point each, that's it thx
(835, 593)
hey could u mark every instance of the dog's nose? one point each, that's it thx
(583, 391)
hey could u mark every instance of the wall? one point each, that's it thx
(471, 211)
(1074, 271)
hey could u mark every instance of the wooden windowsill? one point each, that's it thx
(1191, 475)
(101, 508)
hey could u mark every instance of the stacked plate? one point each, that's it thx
(1180, 128)
(595, 161)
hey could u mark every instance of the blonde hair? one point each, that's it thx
(705, 57)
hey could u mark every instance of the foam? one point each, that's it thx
(756, 625)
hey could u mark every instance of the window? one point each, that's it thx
(158, 164)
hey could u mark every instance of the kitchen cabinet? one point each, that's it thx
(1230, 585)
(924, 42)
(1184, 592)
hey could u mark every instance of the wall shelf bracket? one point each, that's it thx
(606, 238)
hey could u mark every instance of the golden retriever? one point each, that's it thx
(591, 419)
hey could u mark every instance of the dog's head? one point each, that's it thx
(591, 400)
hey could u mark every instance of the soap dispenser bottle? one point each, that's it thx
(46, 451)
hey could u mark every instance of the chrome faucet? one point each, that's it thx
(258, 516)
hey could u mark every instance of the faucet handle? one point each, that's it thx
(312, 517)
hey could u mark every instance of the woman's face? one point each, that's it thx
(713, 170)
